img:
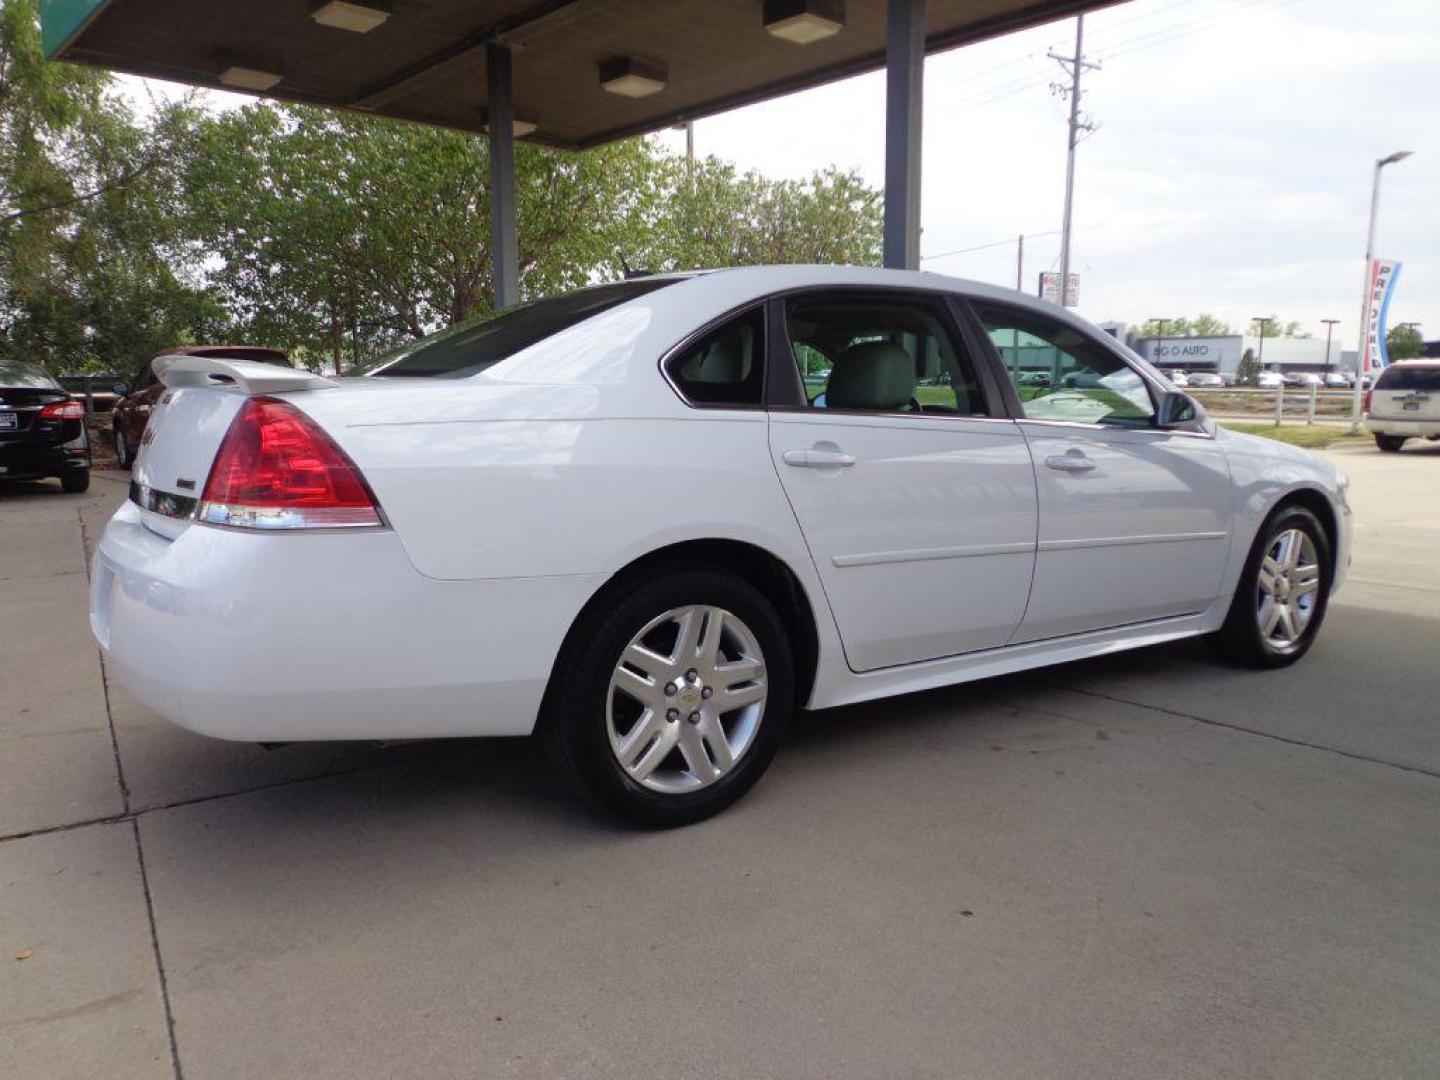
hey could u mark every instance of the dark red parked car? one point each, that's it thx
(132, 411)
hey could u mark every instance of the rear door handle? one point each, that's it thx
(1074, 461)
(818, 459)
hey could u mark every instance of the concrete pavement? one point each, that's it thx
(1152, 865)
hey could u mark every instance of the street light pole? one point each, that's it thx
(1160, 339)
(1355, 406)
(1264, 321)
(1329, 327)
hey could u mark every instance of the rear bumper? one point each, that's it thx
(23, 458)
(1396, 425)
(321, 635)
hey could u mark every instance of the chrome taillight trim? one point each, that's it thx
(288, 518)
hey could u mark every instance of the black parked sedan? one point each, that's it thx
(42, 429)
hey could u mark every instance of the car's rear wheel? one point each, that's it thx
(670, 697)
(123, 453)
(1390, 443)
(75, 481)
(1283, 592)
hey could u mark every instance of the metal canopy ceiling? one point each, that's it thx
(426, 63)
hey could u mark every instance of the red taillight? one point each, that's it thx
(277, 470)
(62, 410)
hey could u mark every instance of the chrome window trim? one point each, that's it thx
(1151, 430)
(814, 412)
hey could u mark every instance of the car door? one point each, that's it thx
(913, 489)
(1135, 520)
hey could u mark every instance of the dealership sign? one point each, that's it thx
(1383, 275)
(1202, 353)
(1050, 288)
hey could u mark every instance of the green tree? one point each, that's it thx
(1202, 325)
(1248, 371)
(92, 273)
(341, 234)
(1276, 327)
(1404, 342)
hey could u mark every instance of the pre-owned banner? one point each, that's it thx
(1383, 275)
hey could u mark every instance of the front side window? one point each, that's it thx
(881, 354)
(725, 366)
(1060, 374)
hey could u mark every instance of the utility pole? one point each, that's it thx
(1020, 264)
(1073, 66)
(1329, 329)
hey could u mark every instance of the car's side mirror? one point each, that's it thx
(121, 389)
(1175, 409)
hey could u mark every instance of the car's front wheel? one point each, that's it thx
(1283, 591)
(670, 697)
(1390, 443)
(123, 453)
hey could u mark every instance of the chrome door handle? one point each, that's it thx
(1072, 462)
(818, 459)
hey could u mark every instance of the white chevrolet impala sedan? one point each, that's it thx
(648, 520)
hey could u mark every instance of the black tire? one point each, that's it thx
(573, 722)
(76, 481)
(1390, 444)
(1240, 640)
(124, 453)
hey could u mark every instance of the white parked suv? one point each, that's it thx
(1404, 403)
(648, 520)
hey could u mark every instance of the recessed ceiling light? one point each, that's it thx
(628, 77)
(520, 124)
(353, 15)
(244, 77)
(804, 21)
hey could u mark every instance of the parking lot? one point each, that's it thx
(1146, 866)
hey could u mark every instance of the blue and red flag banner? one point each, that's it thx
(1383, 275)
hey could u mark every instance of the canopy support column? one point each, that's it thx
(500, 118)
(904, 84)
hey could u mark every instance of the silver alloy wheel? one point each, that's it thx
(686, 699)
(120, 447)
(1287, 589)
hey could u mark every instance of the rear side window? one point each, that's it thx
(1409, 377)
(725, 367)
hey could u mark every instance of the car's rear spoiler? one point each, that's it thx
(246, 376)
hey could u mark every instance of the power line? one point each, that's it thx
(986, 247)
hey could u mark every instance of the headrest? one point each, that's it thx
(724, 361)
(871, 375)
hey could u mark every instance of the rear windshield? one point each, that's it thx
(1409, 377)
(23, 375)
(470, 347)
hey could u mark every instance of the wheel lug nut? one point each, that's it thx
(694, 718)
(705, 693)
(672, 715)
(690, 675)
(669, 689)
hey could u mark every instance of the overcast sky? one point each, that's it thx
(1229, 172)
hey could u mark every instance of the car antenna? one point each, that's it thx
(629, 273)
